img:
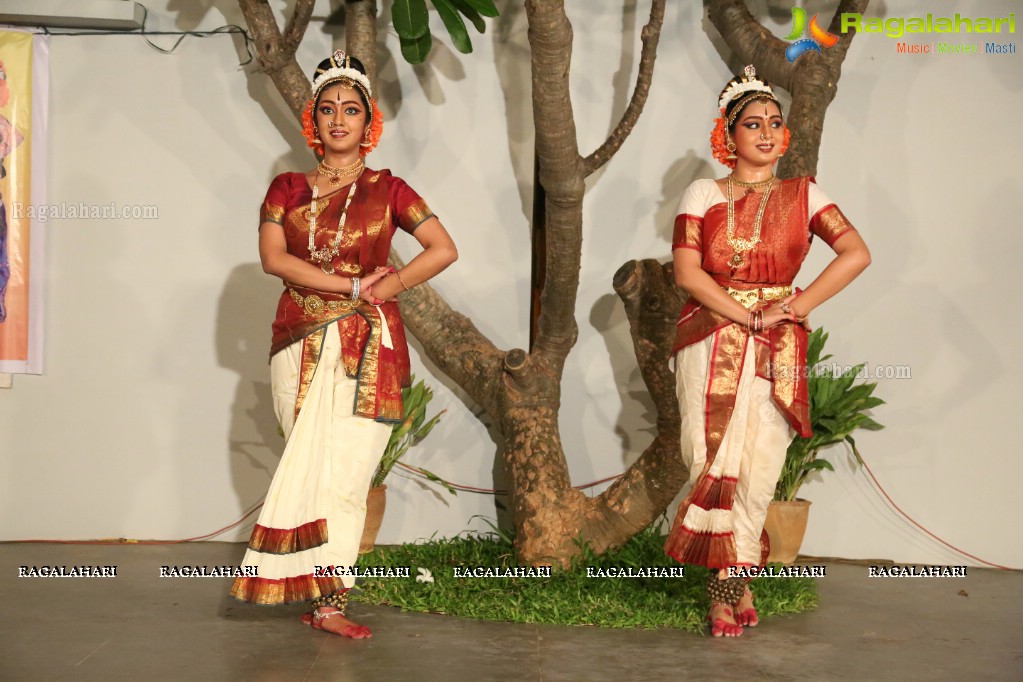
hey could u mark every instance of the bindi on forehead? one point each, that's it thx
(338, 94)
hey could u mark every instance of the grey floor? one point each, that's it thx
(141, 627)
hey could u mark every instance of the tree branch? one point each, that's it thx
(651, 35)
(835, 55)
(561, 174)
(276, 55)
(751, 42)
(846, 7)
(297, 25)
(453, 343)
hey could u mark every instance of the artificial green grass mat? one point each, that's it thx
(568, 597)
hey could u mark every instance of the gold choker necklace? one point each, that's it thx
(756, 184)
(334, 174)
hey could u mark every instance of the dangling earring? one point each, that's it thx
(730, 146)
(365, 139)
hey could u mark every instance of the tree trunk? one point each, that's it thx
(361, 34)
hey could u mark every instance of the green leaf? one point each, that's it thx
(871, 402)
(857, 394)
(813, 348)
(417, 422)
(485, 7)
(425, 431)
(818, 464)
(824, 388)
(470, 14)
(401, 430)
(871, 425)
(827, 423)
(411, 19)
(415, 50)
(856, 451)
(437, 479)
(456, 27)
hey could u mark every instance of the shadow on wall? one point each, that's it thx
(637, 422)
(244, 315)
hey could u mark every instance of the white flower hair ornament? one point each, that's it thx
(740, 86)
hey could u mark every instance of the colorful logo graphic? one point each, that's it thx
(818, 36)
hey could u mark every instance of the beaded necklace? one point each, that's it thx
(325, 256)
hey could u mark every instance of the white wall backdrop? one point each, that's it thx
(154, 420)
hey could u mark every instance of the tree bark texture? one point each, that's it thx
(361, 34)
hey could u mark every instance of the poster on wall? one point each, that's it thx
(23, 102)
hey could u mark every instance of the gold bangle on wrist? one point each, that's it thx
(403, 285)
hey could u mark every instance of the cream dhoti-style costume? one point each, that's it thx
(742, 396)
(337, 369)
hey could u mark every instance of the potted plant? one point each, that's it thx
(838, 406)
(406, 433)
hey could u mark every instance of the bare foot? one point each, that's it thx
(331, 620)
(722, 621)
(745, 613)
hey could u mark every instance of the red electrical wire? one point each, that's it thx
(143, 542)
(418, 472)
(910, 519)
(492, 491)
(474, 489)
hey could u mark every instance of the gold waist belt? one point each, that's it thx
(314, 305)
(750, 297)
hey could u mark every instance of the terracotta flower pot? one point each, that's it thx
(376, 502)
(785, 526)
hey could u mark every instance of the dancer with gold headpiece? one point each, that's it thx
(740, 349)
(339, 358)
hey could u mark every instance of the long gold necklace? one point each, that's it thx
(334, 174)
(325, 256)
(738, 244)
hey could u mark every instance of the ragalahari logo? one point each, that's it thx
(818, 36)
